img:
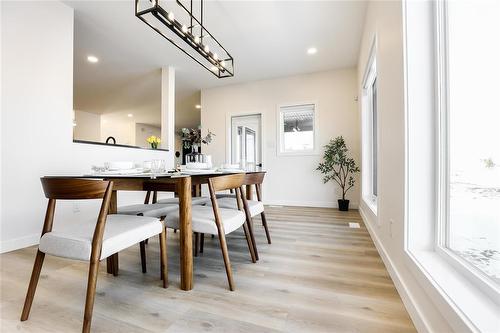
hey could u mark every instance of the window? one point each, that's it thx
(369, 131)
(297, 132)
(469, 165)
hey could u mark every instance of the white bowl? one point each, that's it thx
(123, 165)
(196, 166)
(230, 166)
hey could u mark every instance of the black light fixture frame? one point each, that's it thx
(221, 68)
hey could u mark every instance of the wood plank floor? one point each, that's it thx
(319, 275)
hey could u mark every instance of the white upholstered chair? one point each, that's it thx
(219, 221)
(255, 207)
(90, 241)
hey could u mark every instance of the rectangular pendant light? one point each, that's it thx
(179, 25)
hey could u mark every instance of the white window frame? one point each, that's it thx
(480, 279)
(462, 296)
(280, 134)
(370, 146)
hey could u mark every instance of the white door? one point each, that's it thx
(246, 140)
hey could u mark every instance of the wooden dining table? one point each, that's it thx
(184, 186)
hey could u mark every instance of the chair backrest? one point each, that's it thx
(228, 182)
(60, 188)
(255, 178)
(73, 188)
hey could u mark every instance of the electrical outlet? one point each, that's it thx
(391, 222)
(76, 208)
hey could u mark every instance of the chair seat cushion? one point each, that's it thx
(203, 220)
(225, 195)
(152, 210)
(255, 207)
(194, 201)
(74, 241)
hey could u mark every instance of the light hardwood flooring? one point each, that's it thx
(319, 275)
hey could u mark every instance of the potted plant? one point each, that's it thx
(338, 166)
(154, 141)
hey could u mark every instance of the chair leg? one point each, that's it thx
(35, 275)
(146, 241)
(142, 245)
(89, 301)
(249, 223)
(249, 242)
(163, 257)
(227, 263)
(196, 241)
(264, 224)
(175, 231)
(202, 242)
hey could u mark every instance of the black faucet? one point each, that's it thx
(111, 138)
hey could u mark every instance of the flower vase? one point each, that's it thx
(195, 156)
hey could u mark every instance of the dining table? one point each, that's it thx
(185, 185)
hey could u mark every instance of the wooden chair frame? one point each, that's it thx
(221, 183)
(77, 189)
(257, 179)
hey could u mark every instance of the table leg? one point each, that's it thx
(112, 261)
(186, 232)
(248, 192)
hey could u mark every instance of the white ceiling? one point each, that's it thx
(267, 39)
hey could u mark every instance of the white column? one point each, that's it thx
(168, 108)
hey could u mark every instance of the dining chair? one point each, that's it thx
(255, 207)
(219, 221)
(90, 241)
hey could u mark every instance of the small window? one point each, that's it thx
(297, 129)
(370, 131)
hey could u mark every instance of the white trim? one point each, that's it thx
(19, 243)
(279, 138)
(302, 203)
(417, 315)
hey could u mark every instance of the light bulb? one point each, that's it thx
(171, 16)
(197, 39)
(206, 48)
(184, 28)
(214, 68)
(215, 56)
(155, 2)
(223, 63)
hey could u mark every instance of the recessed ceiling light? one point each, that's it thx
(92, 59)
(312, 50)
(198, 106)
(130, 115)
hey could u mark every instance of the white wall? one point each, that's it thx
(291, 180)
(88, 126)
(119, 127)
(384, 19)
(37, 104)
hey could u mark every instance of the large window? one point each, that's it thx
(297, 132)
(369, 135)
(469, 63)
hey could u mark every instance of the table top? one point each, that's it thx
(154, 176)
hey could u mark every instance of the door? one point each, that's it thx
(246, 140)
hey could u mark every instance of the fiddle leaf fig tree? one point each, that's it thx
(337, 165)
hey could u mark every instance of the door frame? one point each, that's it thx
(229, 116)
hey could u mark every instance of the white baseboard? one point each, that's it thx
(320, 204)
(419, 319)
(19, 243)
